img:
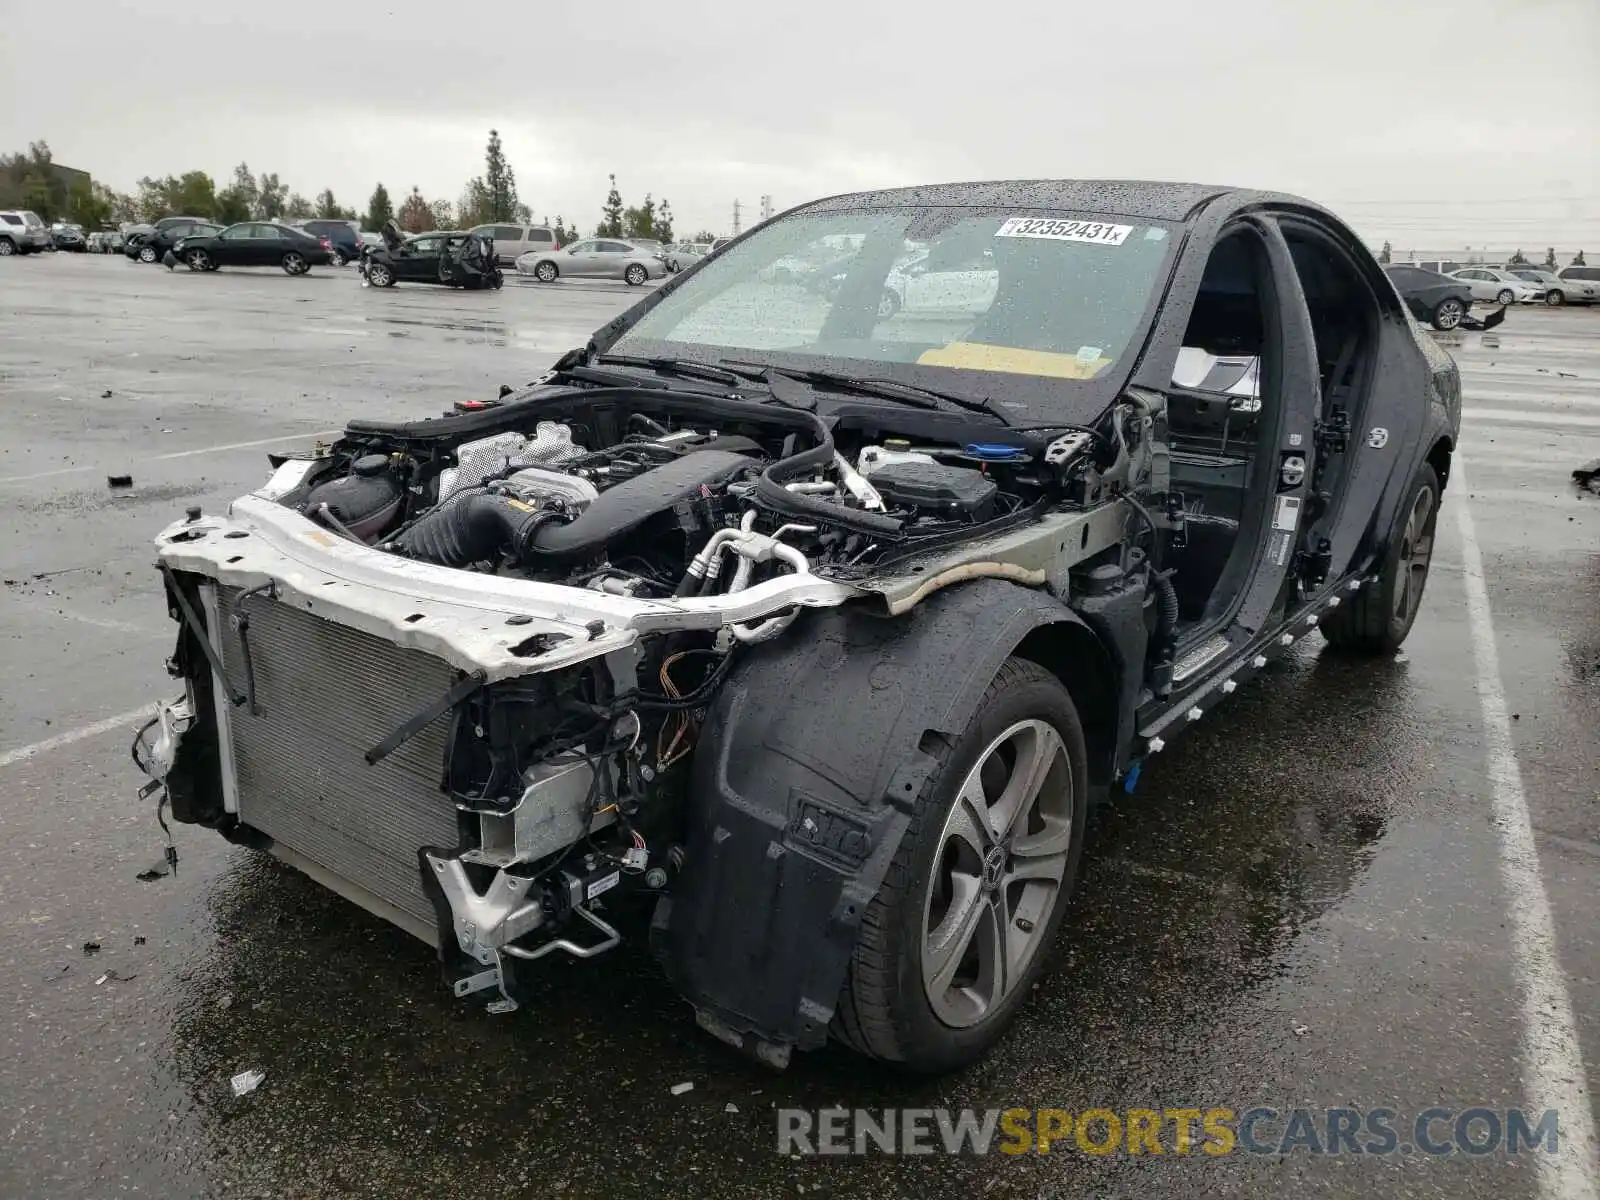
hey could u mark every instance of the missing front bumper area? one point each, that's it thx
(504, 916)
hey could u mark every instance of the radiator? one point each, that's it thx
(326, 694)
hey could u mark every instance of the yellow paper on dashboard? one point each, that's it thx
(977, 356)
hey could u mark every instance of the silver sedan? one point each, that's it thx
(594, 258)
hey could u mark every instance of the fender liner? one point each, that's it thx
(808, 767)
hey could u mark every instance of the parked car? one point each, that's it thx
(251, 244)
(822, 631)
(69, 237)
(447, 258)
(163, 239)
(595, 258)
(22, 232)
(511, 242)
(1558, 291)
(1502, 287)
(1442, 266)
(1580, 275)
(1437, 299)
(718, 244)
(342, 237)
(105, 241)
(148, 243)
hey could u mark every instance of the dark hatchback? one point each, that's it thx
(251, 244)
(344, 243)
(1437, 299)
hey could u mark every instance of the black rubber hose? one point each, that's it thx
(793, 504)
(473, 527)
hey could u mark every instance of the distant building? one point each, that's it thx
(68, 177)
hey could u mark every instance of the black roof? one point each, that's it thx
(1126, 197)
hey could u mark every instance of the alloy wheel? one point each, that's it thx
(998, 873)
(1416, 550)
(1505, 297)
(1448, 314)
(545, 272)
(635, 275)
(294, 263)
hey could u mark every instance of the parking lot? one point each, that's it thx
(1305, 904)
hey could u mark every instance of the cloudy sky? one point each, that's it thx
(1431, 124)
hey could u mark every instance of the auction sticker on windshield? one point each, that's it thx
(1065, 231)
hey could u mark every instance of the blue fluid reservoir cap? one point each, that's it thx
(995, 451)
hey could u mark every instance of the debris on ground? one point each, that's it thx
(730, 1107)
(679, 1089)
(246, 1082)
(149, 874)
(1588, 475)
(138, 939)
(91, 947)
(1300, 1030)
(119, 481)
(224, 1001)
(106, 395)
(113, 977)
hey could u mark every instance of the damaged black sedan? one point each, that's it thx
(821, 619)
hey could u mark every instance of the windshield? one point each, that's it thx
(1026, 308)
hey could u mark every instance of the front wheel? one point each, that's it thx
(888, 303)
(147, 254)
(294, 263)
(1554, 298)
(380, 275)
(950, 947)
(197, 260)
(635, 275)
(1448, 313)
(1377, 619)
(1506, 297)
(546, 272)
(7, 247)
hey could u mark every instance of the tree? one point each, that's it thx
(565, 234)
(611, 214)
(415, 216)
(1386, 255)
(499, 182)
(298, 208)
(524, 213)
(474, 208)
(664, 221)
(1518, 258)
(271, 198)
(1550, 259)
(191, 195)
(442, 215)
(89, 204)
(239, 200)
(1578, 261)
(704, 236)
(640, 222)
(327, 207)
(379, 209)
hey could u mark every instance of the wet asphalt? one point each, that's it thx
(1301, 904)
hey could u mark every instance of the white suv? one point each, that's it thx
(22, 232)
(512, 241)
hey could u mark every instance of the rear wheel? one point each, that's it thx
(964, 922)
(888, 303)
(335, 258)
(635, 275)
(1448, 313)
(294, 263)
(1377, 619)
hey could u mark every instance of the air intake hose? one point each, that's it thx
(474, 526)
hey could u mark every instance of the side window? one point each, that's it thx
(12, 220)
(583, 248)
(506, 233)
(269, 233)
(541, 236)
(425, 245)
(615, 248)
(237, 233)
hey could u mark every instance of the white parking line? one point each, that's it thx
(1552, 1059)
(125, 720)
(282, 437)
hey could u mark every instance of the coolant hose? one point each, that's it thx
(795, 504)
(474, 526)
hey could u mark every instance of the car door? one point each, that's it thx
(582, 259)
(232, 247)
(1484, 285)
(611, 259)
(418, 258)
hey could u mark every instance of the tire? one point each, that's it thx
(147, 254)
(380, 275)
(335, 259)
(1377, 619)
(294, 263)
(888, 304)
(890, 1009)
(635, 275)
(7, 247)
(1447, 313)
(1554, 298)
(1506, 298)
(198, 260)
(546, 272)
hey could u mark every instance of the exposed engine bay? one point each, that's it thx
(627, 546)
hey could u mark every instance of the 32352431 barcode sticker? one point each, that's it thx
(1064, 231)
